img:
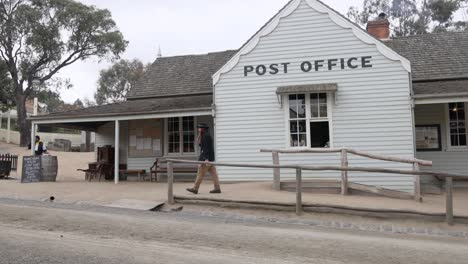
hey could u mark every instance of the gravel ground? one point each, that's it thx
(60, 233)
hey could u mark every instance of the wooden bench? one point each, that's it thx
(134, 172)
(160, 166)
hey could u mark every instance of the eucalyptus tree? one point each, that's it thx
(38, 38)
(115, 82)
(413, 17)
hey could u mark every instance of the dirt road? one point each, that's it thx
(32, 233)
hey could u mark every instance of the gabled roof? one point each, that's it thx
(319, 6)
(180, 75)
(434, 56)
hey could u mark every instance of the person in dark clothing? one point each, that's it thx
(205, 142)
(39, 147)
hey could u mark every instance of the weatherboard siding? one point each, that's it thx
(373, 110)
(105, 136)
(445, 160)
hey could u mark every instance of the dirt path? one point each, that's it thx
(30, 234)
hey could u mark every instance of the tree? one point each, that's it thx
(78, 104)
(38, 38)
(116, 81)
(409, 17)
(6, 91)
(50, 98)
(88, 103)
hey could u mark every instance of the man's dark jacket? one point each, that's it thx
(206, 148)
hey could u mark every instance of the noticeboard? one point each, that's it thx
(32, 169)
(145, 138)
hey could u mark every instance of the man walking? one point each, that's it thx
(205, 142)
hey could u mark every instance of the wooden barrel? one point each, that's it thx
(49, 168)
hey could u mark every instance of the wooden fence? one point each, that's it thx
(8, 163)
(448, 176)
(344, 164)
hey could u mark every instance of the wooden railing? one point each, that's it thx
(299, 169)
(344, 163)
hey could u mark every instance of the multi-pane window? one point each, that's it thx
(319, 128)
(189, 134)
(297, 120)
(181, 134)
(457, 124)
(173, 135)
(308, 120)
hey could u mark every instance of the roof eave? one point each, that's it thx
(119, 115)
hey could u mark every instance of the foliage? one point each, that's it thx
(6, 88)
(51, 99)
(409, 17)
(78, 104)
(38, 38)
(116, 81)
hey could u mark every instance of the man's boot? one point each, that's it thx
(192, 190)
(216, 190)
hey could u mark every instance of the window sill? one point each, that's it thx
(300, 148)
(464, 149)
(189, 154)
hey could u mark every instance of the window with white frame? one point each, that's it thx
(457, 125)
(181, 135)
(309, 120)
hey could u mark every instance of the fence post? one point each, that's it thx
(449, 200)
(276, 172)
(170, 183)
(344, 173)
(417, 183)
(298, 191)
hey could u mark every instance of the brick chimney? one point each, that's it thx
(379, 28)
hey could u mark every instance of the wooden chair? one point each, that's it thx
(100, 170)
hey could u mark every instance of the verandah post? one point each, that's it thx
(276, 172)
(170, 182)
(417, 183)
(344, 173)
(33, 138)
(449, 200)
(116, 151)
(298, 191)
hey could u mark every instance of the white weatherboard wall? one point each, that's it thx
(105, 136)
(454, 161)
(373, 111)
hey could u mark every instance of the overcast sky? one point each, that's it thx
(179, 27)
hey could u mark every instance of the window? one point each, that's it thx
(188, 134)
(181, 135)
(457, 124)
(297, 120)
(309, 120)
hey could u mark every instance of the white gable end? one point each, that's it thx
(319, 7)
(372, 111)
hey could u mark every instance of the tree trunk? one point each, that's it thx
(23, 124)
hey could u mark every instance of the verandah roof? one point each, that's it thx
(439, 89)
(135, 108)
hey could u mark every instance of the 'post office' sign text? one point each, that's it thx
(309, 66)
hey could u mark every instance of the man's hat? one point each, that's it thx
(202, 125)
